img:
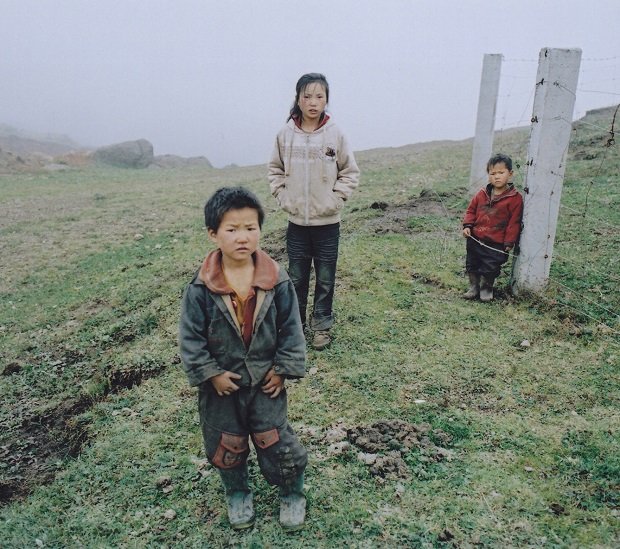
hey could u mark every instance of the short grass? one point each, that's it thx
(94, 265)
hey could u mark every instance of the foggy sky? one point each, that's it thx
(217, 79)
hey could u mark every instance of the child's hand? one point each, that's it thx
(273, 384)
(223, 384)
(467, 232)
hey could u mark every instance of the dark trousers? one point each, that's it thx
(484, 261)
(228, 421)
(316, 245)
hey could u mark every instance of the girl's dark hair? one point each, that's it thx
(302, 84)
(498, 159)
(230, 198)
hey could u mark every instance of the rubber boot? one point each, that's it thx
(238, 497)
(293, 505)
(486, 288)
(474, 286)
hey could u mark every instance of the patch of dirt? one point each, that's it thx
(383, 445)
(395, 218)
(32, 452)
(391, 440)
(275, 245)
(429, 281)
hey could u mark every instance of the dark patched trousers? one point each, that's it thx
(484, 261)
(227, 422)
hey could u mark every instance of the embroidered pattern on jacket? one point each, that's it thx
(313, 152)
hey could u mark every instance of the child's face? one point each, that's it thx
(237, 235)
(312, 101)
(499, 176)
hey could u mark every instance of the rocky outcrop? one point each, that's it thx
(16, 163)
(129, 154)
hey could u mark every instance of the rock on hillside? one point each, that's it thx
(16, 163)
(129, 154)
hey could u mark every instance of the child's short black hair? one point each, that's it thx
(230, 198)
(498, 159)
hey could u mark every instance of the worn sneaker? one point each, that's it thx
(321, 340)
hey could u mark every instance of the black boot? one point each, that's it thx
(486, 288)
(293, 504)
(238, 497)
(474, 286)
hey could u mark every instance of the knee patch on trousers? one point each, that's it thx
(266, 439)
(280, 455)
(232, 451)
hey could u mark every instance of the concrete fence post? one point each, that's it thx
(552, 116)
(485, 120)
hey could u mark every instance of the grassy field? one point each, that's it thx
(490, 424)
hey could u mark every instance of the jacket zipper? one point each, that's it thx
(307, 183)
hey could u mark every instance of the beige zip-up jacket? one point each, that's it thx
(311, 175)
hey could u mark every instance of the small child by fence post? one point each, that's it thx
(491, 225)
(240, 338)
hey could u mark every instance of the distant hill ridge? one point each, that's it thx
(22, 150)
(22, 142)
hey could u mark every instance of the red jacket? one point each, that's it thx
(496, 219)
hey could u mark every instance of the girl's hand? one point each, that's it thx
(273, 384)
(223, 383)
(466, 232)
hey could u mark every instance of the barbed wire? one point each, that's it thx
(581, 214)
(581, 296)
(527, 105)
(609, 339)
(609, 143)
(588, 59)
(598, 91)
(600, 58)
(581, 312)
(586, 123)
(587, 267)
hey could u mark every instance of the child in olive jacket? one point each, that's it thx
(240, 339)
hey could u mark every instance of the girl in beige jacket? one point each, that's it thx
(312, 172)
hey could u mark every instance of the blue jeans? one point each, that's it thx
(318, 245)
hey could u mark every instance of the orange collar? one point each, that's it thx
(266, 272)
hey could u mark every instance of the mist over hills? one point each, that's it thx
(22, 150)
(22, 142)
